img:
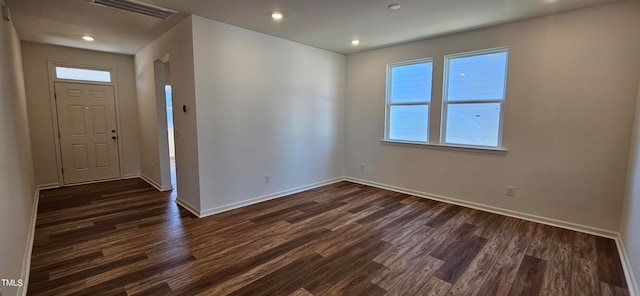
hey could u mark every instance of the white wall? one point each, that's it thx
(571, 93)
(16, 173)
(630, 225)
(177, 44)
(36, 58)
(265, 106)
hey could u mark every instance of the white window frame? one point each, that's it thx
(445, 96)
(389, 104)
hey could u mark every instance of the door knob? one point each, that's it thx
(114, 137)
(113, 131)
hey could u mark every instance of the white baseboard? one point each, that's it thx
(155, 184)
(131, 176)
(235, 205)
(492, 209)
(188, 206)
(41, 187)
(26, 261)
(634, 290)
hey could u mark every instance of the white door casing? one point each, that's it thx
(87, 132)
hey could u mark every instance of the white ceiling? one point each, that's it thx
(326, 24)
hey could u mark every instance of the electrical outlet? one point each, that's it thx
(267, 178)
(362, 166)
(511, 191)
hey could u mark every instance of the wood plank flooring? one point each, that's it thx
(125, 238)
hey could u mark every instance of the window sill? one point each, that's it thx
(472, 149)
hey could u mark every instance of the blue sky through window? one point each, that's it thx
(475, 88)
(480, 77)
(411, 83)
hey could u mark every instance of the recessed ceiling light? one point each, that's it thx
(394, 6)
(88, 38)
(277, 15)
(355, 42)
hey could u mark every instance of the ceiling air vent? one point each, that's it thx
(137, 7)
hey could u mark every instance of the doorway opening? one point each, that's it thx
(168, 160)
(170, 134)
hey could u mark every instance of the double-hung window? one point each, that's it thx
(473, 98)
(408, 100)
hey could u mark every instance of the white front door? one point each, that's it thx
(88, 137)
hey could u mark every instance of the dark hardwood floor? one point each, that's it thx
(125, 238)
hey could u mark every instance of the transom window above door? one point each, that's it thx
(81, 74)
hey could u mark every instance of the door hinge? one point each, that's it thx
(55, 96)
(58, 134)
(63, 171)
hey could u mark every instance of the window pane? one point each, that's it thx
(411, 83)
(473, 124)
(167, 95)
(83, 74)
(479, 77)
(409, 123)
